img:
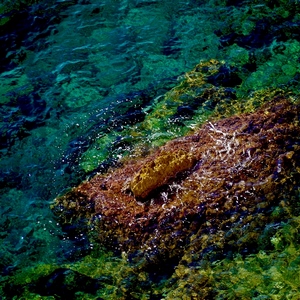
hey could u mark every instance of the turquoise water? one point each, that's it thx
(96, 56)
(77, 75)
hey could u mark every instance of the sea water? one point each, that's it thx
(77, 72)
(74, 70)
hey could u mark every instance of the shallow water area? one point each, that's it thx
(74, 64)
(86, 83)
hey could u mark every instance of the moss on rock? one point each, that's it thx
(244, 166)
(158, 172)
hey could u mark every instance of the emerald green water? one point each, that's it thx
(82, 82)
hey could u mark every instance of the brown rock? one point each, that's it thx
(239, 167)
(159, 171)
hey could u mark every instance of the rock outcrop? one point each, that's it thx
(159, 171)
(213, 189)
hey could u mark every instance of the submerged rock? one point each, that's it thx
(157, 172)
(61, 283)
(203, 195)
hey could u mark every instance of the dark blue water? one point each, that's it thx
(78, 77)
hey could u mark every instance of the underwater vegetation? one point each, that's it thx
(174, 151)
(199, 198)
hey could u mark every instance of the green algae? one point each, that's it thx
(270, 273)
(100, 265)
(162, 121)
(14, 82)
(191, 85)
(161, 124)
(278, 70)
(198, 275)
(32, 274)
(3, 20)
(237, 55)
(268, 277)
(76, 96)
(98, 153)
(126, 277)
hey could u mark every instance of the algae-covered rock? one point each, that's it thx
(239, 168)
(157, 172)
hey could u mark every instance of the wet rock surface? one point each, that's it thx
(158, 172)
(238, 168)
(82, 84)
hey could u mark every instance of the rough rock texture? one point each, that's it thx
(244, 166)
(157, 172)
